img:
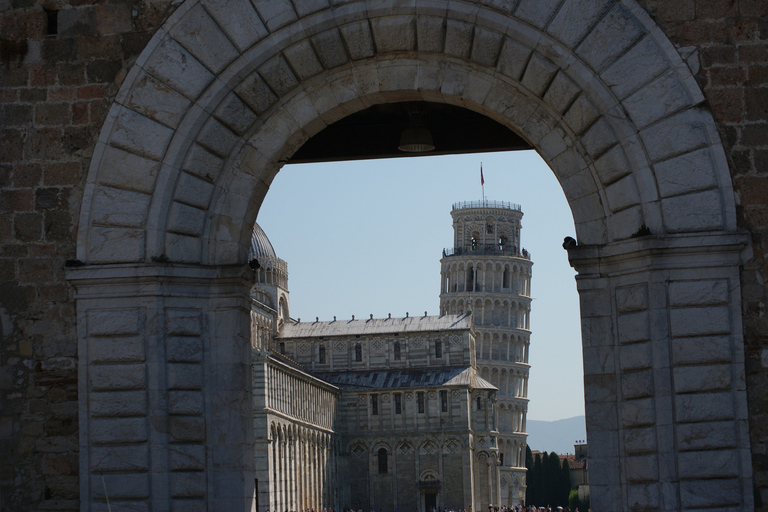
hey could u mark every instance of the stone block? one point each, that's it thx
(305, 7)
(119, 458)
(538, 74)
(188, 505)
(186, 429)
(276, 14)
(602, 387)
(126, 170)
(217, 138)
(203, 38)
(140, 135)
(112, 322)
(622, 194)
(598, 138)
(710, 493)
(118, 430)
(637, 384)
(394, 33)
(575, 19)
(708, 464)
(255, 92)
(185, 350)
(594, 303)
(561, 92)
(656, 100)
(698, 293)
(703, 436)
(710, 349)
(278, 75)
(642, 468)
(599, 360)
(634, 327)
(186, 457)
(430, 32)
(358, 39)
(116, 207)
(187, 322)
(202, 163)
(486, 46)
(617, 32)
(691, 379)
(121, 349)
(154, 99)
(678, 134)
(638, 413)
(113, 245)
(640, 440)
(330, 49)
(184, 376)
(303, 60)
(183, 248)
(188, 484)
(458, 39)
(75, 22)
(704, 407)
(643, 496)
(120, 486)
(581, 114)
(117, 377)
(239, 20)
(700, 321)
(685, 173)
(632, 298)
(177, 67)
(536, 12)
(635, 68)
(186, 220)
(601, 416)
(118, 403)
(185, 402)
(699, 211)
(235, 114)
(635, 357)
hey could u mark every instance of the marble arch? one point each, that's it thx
(225, 92)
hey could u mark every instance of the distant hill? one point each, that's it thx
(556, 436)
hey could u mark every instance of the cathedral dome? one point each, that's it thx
(261, 247)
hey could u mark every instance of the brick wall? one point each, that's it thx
(56, 83)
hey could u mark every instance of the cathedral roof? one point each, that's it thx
(260, 245)
(369, 326)
(407, 378)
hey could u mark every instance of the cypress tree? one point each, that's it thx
(528, 474)
(538, 481)
(565, 486)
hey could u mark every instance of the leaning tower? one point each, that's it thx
(489, 273)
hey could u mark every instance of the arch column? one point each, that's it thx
(664, 372)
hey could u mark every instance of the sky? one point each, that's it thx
(366, 237)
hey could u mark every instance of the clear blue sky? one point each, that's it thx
(366, 237)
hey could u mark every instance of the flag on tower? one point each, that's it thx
(482, 180)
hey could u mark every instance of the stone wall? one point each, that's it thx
(60, 69)
(728, 40)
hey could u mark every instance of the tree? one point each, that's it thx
(565, 484)
(528, 474)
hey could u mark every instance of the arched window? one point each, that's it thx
(382, 461)
(502, 242)
(479, 403)
(471, 279)
(358, 352)
(397, 351)
(282, 347)
(505, 279)
(438, 349)
(375, 404)
(443, 401)
(321, 354)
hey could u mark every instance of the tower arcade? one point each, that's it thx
(489, 273)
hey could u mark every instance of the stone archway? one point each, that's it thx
(226, 91)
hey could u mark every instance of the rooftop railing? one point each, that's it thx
(486, 204)
(486, 250)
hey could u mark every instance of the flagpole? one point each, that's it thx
(482, 183)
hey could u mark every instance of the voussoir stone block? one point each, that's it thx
(513, 58)
(255, 92)
(278, 75)
(685, 173)
(117, 207)
(234, 113)
(239, 20)
(193, 191)
(656, 100)
(217, 138)
(202, 163)
(612, 36)
(575, 18)
(112, 245)
(128, 171)
(330, 49)
(358, 39)
(458, 39)
(561, 92)
(536, 12)
(394, 33)
(635, 68)
(538, 74)
(678, 134)
(140, 134)
(186, 220)
(154, 99)
(430, 31)
(486, 46)
(174, 65)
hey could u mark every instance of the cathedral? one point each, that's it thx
(405, 413)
